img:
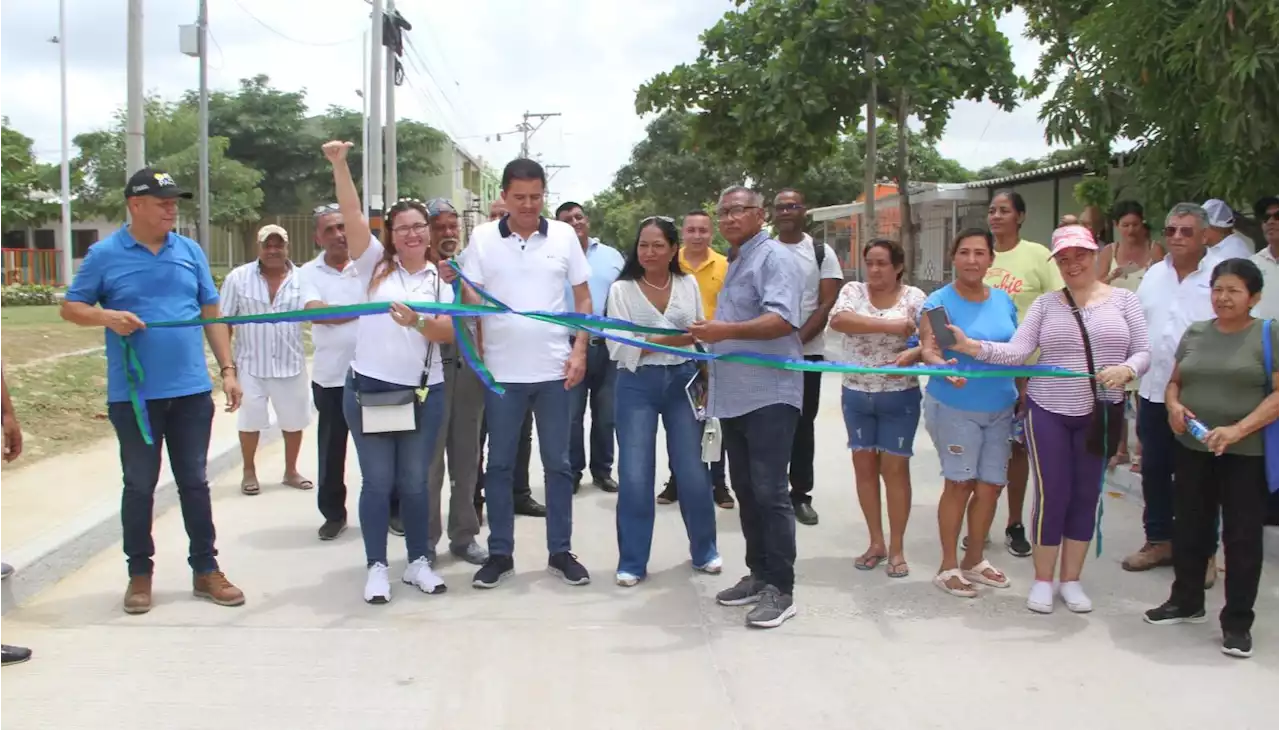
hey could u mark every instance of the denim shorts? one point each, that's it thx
(881, 421)
(971, 444)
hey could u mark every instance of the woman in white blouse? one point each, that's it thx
(652, 290)
(394, 400)
(881, 412)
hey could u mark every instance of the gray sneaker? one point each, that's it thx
(772, 610)
(472, 552)
(746, 592)
(6, 570)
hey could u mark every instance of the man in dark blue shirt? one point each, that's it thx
(142, 273)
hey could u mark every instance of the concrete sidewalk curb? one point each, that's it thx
(61, 552)
(1126, 482)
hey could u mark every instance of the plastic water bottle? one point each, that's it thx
(1197, 429)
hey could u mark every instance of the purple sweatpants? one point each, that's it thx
(1068, 478)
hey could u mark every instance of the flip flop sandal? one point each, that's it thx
(301, 483)
(978, 574)
(966, 591)
(897, 570)
(869, 562)
(249, 487)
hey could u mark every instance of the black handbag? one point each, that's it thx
(1107, 425)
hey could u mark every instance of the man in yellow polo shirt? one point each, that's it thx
(709, 268)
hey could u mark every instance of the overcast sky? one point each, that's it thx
(480, 64)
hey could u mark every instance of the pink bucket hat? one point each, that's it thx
(1072, 237)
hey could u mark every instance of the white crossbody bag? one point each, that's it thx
(394, 411)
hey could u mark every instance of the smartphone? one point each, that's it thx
(938, 322)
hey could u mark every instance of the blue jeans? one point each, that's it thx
(653, 391)
(599, 385)
(759, 449)
(504, 414)
(393, 463)
(184, 425)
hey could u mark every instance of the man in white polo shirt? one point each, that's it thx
(1221, 237)
(330, 279)
(1266, 212)
(269, 357)
(524, 261)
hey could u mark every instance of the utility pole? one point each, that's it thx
(392, 189)
(202, 45)
(68, 252)
(528, 129)
(136, 123)
(373, 183)
(363, 91)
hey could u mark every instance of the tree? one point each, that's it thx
(416, 145)
(779, 82)
(25, 200)
(674, 172)
(1191, 82)
(172, 145)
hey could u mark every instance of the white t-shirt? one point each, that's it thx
(807, 256)
(1269, 306)
(526, 275)
(384, 350)
(335, 344)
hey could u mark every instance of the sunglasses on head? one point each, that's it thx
(653, 218)
(326, 208)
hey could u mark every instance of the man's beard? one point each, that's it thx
(449, 247)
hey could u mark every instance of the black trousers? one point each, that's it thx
(331, 452)
(756, 448)
(1202, 482)
(801, 470)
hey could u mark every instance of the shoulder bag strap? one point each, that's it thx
(431, 346)
(1266, 353)
(1084, 335)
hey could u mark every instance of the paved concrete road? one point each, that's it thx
(865, 652)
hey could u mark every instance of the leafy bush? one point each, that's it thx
(28, 295)
(217, 279)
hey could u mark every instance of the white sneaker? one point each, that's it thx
(420, 574)
(1074, 596)
(711, 567)
(377, 589)
(626, 580)
(1040, 598)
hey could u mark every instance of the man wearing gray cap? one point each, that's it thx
(463, 409)
(1223, 240)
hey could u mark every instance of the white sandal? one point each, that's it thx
(978, 574)
(940, 580)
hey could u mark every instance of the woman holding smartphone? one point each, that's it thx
(970, 422)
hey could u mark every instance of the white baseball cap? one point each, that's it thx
(270, 230)
(1220, 214)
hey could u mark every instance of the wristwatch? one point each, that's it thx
(420, 323)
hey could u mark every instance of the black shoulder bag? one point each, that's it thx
(1107, 427)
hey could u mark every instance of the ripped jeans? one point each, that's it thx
(971, 444)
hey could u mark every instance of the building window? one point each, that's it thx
(81, 241)
(15, 239)
(46, 239)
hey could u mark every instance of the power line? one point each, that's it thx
(291, 39)
(425, 69)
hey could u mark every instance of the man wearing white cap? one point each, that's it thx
(269, 356)
(1223, 241)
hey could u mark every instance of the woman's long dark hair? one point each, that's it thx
(632, 268)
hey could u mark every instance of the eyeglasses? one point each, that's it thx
(1271, 215)
(1180, 231)
(787, 207)
(418, 228)
(326, 208)
(735, 211)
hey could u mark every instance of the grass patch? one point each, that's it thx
(62, 406)
(37, 333)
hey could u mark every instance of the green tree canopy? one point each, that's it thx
(417, 145)
(25, 187)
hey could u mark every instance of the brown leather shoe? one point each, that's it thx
(137, 597)
(1151, 555)
(215, 587)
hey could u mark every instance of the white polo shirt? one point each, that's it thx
(526, 275)
(1234, 246)
(1170, 306)
(335, 344)
(262, 349)
(807, 256)
(1269, 306)
(384, 350)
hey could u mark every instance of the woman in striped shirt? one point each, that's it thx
(1087, 320)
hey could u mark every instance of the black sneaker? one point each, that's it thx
(806, 514)
(745, 592)
(1237, 644)
(566, 567)
(668, 494)
(1168, 614)
(19, 654)
(396, 526)
(772, 610)
(331, 529)
(721, 496)
(1015, 539)
(495, 570)
(530, 507)
(605, 483)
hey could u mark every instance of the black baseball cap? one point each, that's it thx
(153, 182)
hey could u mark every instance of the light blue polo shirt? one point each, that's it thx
(121, 274)
(606, 263)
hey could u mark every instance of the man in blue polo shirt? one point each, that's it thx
(142, 273)
(606, 263)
